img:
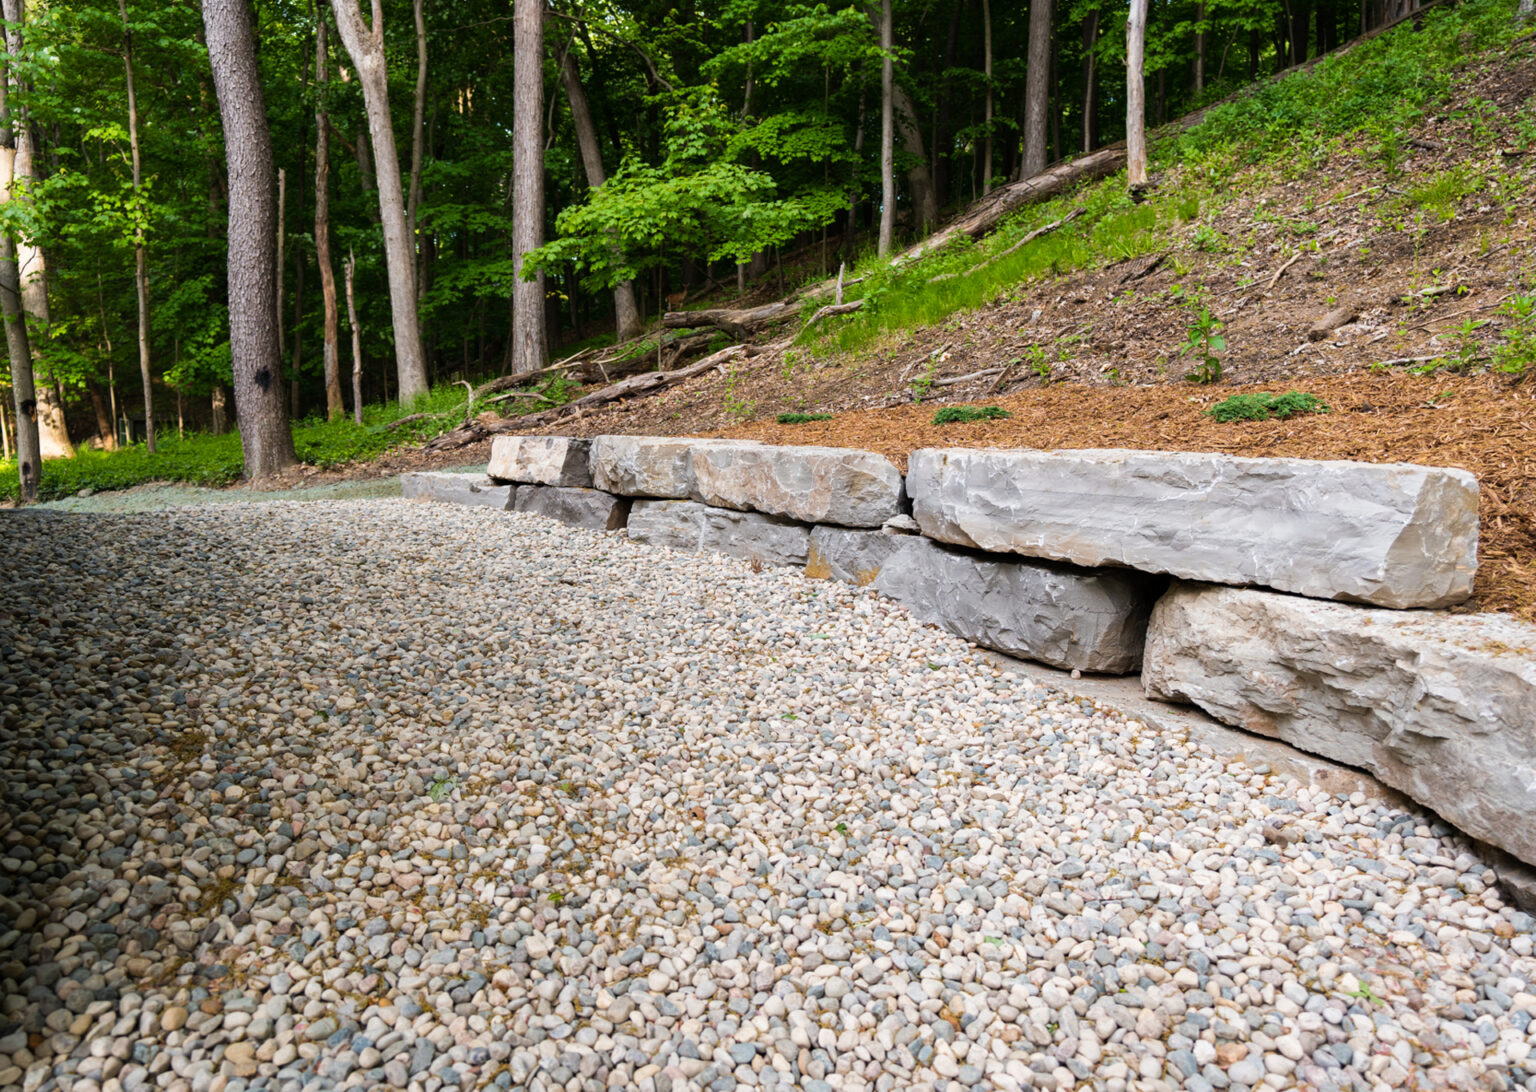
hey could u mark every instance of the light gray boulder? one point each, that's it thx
(849, 555)
(812, 484)
(541, 460)
(752, 535)
(647, 466)
(1393, 535)
(1068, 618)
(1441, 707)
(678, 524)
(476, 490)
(590, 508)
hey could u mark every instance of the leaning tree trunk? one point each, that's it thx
(529, 345)
(918, 179)
(53, 435)
(1136, 96)
(349, 268)
(1037, 87)
(334, 409)
(627, 324)
(140, 267)
(265, 437)
(365, 45)
(887, 134)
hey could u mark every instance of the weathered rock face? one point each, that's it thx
(1440, 707)
(1092, 621)
(677, 524)
(813, 484)
(541, 460)
(642, 466)
(749, 535)
(1392, 535)
(591, 508)
(854, 557)
(472, 489)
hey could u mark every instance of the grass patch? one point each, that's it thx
(204, 459)
(801, 418)
(1264, 406)
(953, 415)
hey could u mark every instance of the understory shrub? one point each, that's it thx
(962, 414)
(1263, 406)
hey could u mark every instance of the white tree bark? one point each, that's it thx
(529, 343)
(1136, 96)
(887, 135)
(365, 45)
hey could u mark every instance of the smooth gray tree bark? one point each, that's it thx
(140, 267)
(365, 45)
(1037, 87)
(265, 437)
(334, 409)
(530, 350)
(627, 314)
(1136, 96)
(887, 134)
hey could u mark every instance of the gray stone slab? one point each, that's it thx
(476, 490)
(1065, 617)
(851, 555)
(811, 484)
(1394, 535)
(541, 460)
(1440, 707)
(752, 535)
(678, 524)
(647, 466)
(590, 508)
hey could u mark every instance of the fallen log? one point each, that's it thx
(1044, 229)
(635, 385)
(833, 309)
(739, 324)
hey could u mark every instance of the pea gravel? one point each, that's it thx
(358, 794)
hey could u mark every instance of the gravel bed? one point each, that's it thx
(366, 793)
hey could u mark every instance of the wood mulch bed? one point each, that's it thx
(1484, 424)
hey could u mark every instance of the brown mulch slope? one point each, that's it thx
(1480, 423)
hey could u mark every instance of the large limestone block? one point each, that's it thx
(647, 466)
(678, 524)
(813, 484)
(1393, 535)
(753, 536)
(849, 555)
(541, 460)
(1441, 707)
(1092, 621)
(476, 490)
(590, 508)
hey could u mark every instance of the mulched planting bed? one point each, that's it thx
(1484, 424)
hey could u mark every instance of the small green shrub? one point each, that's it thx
(961, 414)
(802, 418)
(1264, 406)
(1206, 341)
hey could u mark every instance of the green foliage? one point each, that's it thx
(1444, 193)
(441, 787)
(802, 418)
(921, 385)
(951, 415)
(1263, 406)
(1205, 341)
(1517, 353)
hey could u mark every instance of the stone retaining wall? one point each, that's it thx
(1065, 558)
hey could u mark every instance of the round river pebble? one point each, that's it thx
(362, 794)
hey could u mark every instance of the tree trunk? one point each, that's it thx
(887, 134)
(1037, 86)
(102, 410)
(1525, 11)
(1135, 96)
(298, 330)
(918, 179)
(357, 341)
(23, 392)
(265, 437)
(217, 403)
(1200, 47)
(334, 409)
(418, 114)
(627, 315)
(986, 48)
(140, 266)
(280, 267)
(1090, 81)
(53, 435)
(529, 342)
(365, 45)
